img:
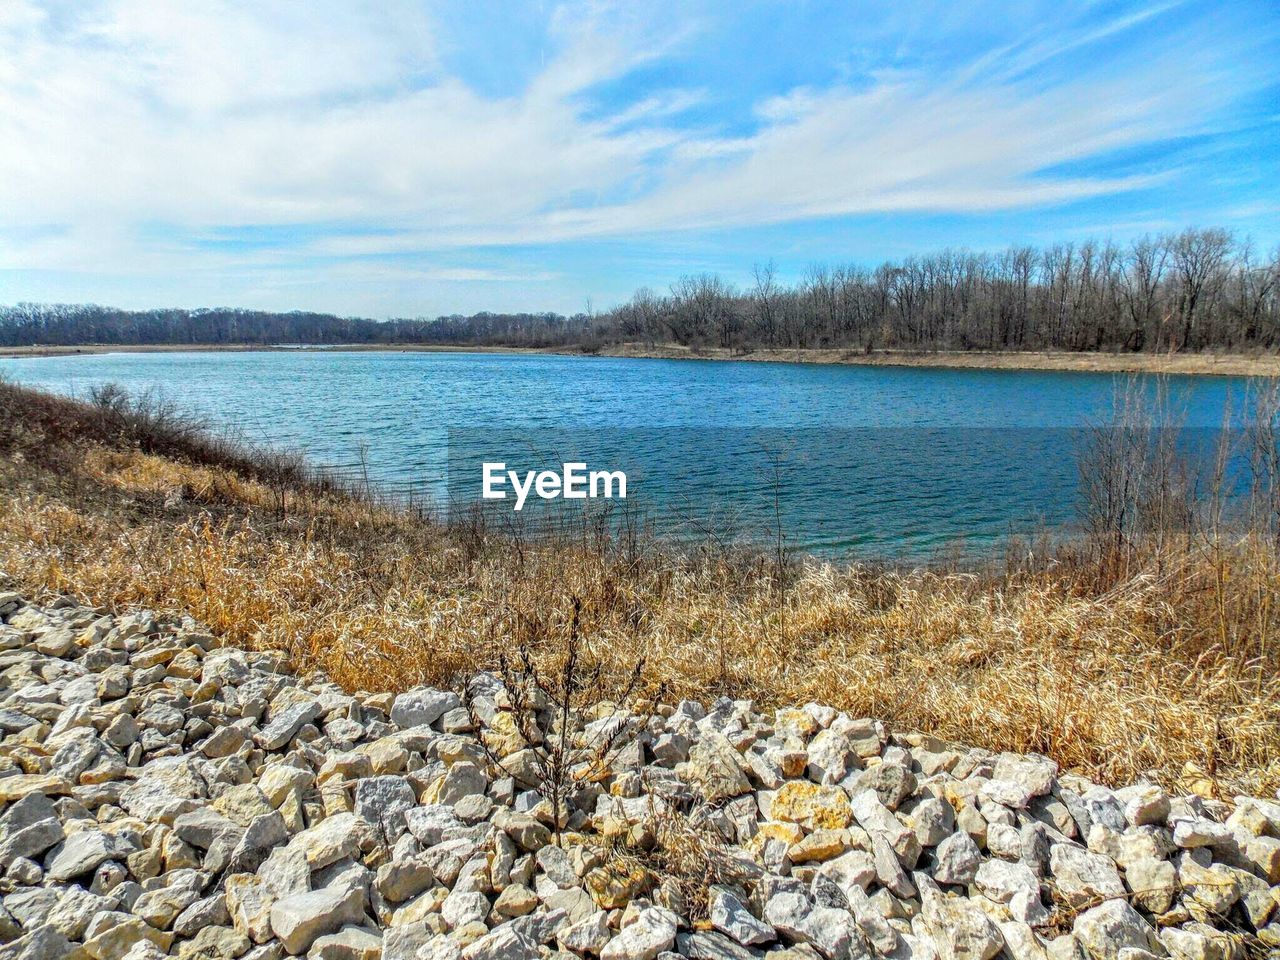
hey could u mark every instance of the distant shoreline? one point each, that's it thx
(1191, 364)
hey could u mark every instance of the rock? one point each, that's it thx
(1153, 883)
(957, 859)
(214, 943)
(516, 900)
(874, 817)
(117, 939)
(1112, 926)
(209, 912)
(32, 839)
(286, 725)
(55, 643)
(710, 946)
(1016, 780)
(505, 943)
(257, 843)
(462, 780)
(1083, 877)
(383, 801)
(16, 787)
(400, 880)
(959, 929)
(853, 870)
(242, 804)
(249, 900)
(892, 783)
(42, 943)
(1208, 892)
(462, 907)
(409, 941)
(167, 788)
(300, 919)
(349, 943)
(161, 907)
(84, 852)
(826, 929)
(812, 806)
(422, 707)
(1144, 804)
(527, 833)
(281, 780)
(330, 840)
(204, 827)
(1016, 886)
(586, 936)
(74, 909)
(716, 768)
(729, 915)
(650, 933)
(145, 950)
(932, 820)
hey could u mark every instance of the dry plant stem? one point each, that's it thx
(563, 765)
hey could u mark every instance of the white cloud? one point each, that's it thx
(195, 115)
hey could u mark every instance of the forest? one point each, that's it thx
(1197, 290)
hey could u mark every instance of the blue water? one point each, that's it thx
(844, 460)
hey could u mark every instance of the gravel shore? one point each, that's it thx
(163, 795)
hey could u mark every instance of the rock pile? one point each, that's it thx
(161, 795)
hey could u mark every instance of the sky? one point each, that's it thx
(409, 158)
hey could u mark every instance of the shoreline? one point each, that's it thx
(1197, 364)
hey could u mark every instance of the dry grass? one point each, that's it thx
(1170, 669)
(1191, 364)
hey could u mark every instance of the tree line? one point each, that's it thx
(43, 324)
(1201, 289)
(1196, 290)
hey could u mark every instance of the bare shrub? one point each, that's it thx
(545, 694)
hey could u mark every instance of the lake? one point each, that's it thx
(842, 460)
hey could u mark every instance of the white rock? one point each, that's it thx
(462, 907)
(957, 859)
(507, 942)
(1144, 803)
(1013, 884)
(286, 725)
(299, 919)
(83, 852)
(384, 801)
(1082, 877)
(1108, 928)
(652, 932)
(959, 929)
(730, 916)
(331, 840)
(586, 936)
(1018, 779)
(349, 943)
(829, 931)
(422, 707)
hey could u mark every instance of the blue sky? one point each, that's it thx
(415, 158)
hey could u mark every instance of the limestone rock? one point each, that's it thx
(300, 919)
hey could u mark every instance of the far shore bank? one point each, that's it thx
(1190, 364)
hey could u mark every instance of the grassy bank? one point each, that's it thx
(1155, 654)
(1185, 364)
(1192, 364)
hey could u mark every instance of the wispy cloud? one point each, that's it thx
(134, 127)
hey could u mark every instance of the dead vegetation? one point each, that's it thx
(1115, 658)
